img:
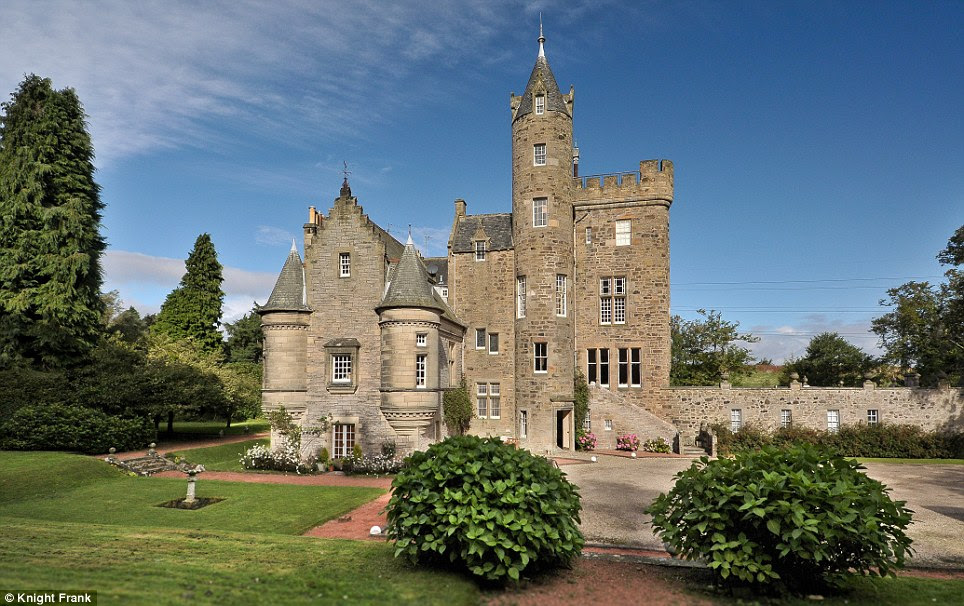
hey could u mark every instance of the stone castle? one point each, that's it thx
(366, 333)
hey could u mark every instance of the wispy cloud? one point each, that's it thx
(268, 235)
(430, 241)
(144, 280)
(782, 342)
(156, 74)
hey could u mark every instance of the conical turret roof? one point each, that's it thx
(542, 80)
(289, 290)
(410, 285)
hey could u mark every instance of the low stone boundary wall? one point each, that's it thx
(931, 409)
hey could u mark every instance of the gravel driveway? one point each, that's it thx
(616, 490)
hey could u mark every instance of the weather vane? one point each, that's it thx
(345, 170)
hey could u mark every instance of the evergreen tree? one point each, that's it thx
(245, 341)
(50, 243)
(193, 309)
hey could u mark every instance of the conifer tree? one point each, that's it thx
(193, 309)
(50, 242)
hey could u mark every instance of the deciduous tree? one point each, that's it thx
(829, 360)
(703, 349)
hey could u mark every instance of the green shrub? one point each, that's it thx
(487, 506)
(457, 409)
(73, 428)
(799, 516)
(657, 445)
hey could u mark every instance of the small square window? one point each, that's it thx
(539, 154)
(480, 250)
(624, 233)
(736, 419)
(873, 417)
(480, 338)
(588, 235)
(344, 265)
(341, 368)
(786, 417)
(540, 212)
(493, 342)
(833, 421)
(608, 424)
(421, 340)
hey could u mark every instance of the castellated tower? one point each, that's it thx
(542, 224)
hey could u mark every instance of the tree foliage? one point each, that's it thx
(193, 309)
(245, 342)
(703, 349)
(457, 409)
(50, 243)
(924, 330)
(580, 404)
(830, 360)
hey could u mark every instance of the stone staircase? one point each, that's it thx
(693, 451)
(146, 465)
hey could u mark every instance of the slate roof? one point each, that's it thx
(497, 228)
(289, 290)
(410, 286)
(554, 100)
(441, 265)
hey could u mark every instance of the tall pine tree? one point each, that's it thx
(193, 309)
(50, 242)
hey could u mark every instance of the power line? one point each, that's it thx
(803, 281)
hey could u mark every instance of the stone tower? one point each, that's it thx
(284, 320)
(542, 223)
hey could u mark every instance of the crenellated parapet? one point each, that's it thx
(653, 183)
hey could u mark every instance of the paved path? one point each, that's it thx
(616, 490)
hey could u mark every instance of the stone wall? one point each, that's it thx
(482, 294)
(931, 409)
(624, 416)
(344, 308)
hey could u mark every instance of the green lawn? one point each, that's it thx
(72, 488)
(213, 428)
(166, 566)
(226, 457)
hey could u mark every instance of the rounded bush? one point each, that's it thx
(487, 506)
(797, 515)
(74, 428)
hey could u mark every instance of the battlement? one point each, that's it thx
(654, 181)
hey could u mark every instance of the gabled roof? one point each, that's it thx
(497, 229)
(289, 290)
(440, 265)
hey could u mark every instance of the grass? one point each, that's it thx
(92, 496)
(226, 457)
(911, 461)
(199, 429)
(166, 566)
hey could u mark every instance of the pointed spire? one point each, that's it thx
(409, 242)
(411, 285)
(289, 291)
(542, 39)
(294, 247)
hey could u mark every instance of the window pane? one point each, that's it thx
(736, 419)
(591, 366)
(588, 235)
(480, 250)
(604, 367)
(541, 357)
(623, 233)
(604, 284)
(341, 368)
(619, 316)
(560, 295)
(539, 154)
(420, 370)
(520, 296)
(344, 263)
(619, 286)
(636, 370)
(623, 367)
(493, 342)
(605, 310)
(480, 338)
(540, 212)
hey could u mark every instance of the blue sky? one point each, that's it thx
(818, 146)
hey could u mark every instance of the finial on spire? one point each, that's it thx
(410, 242)
(345, 189)
(294, 248)
(542, 39)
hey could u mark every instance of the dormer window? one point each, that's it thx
(539, 154)
(480, 250)
(540, 104)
